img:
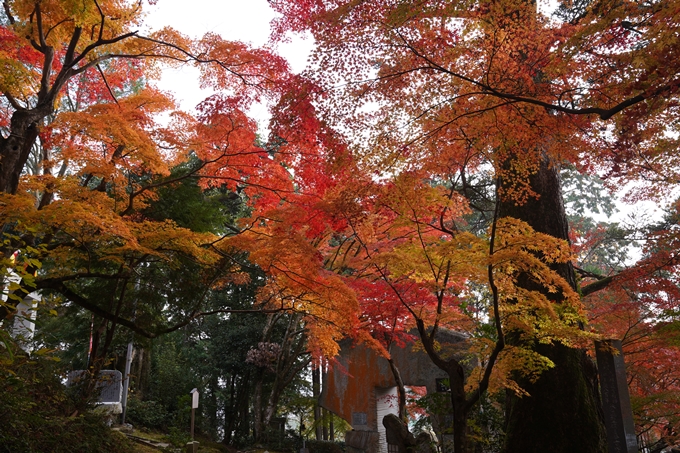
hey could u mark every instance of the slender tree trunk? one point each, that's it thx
(211, 407)
(324, 417)
(316, 392)
(458, 405)
(331, 427)
(257, 410)
(270, 409)
(401, 390)
(230, 409)
(563, 412)
(456, 375)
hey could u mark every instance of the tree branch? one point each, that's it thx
(59, 286)
(8, 12)
(500, 343)
(604, 113)
(597, 286)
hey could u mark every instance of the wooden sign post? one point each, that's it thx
(192, 447)
(194, 406)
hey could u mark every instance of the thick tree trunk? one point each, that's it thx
(15, 149)
(563, 412)
(459, 431)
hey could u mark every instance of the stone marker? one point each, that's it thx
(618, 415)
(109, 385)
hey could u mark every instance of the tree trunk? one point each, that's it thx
(459, 431)
(15, 149)
(272, 404)
(563, 412)
(331, 427)
(316, 392)
(257, 410)
(230, 410)
(458, 405)
(456, 374)
(324, 417)
(211, 408)
(401, 390)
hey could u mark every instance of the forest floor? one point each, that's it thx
(153, 442)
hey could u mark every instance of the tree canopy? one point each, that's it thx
(438, 166)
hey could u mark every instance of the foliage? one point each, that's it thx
(320, 446)
(399, 188)
(445, 93)
(178, 437)
(148, 414)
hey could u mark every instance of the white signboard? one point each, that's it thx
(194, 398)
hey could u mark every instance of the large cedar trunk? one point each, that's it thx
(563, 412)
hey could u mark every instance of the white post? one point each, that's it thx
(194, 406)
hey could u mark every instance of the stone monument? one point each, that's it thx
(618, 414)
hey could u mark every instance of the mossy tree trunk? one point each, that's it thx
(563, 412)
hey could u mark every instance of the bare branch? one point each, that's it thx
(108, 87)
(8, 12)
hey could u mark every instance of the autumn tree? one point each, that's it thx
(465, 88)
(417, 271)
(92, 154)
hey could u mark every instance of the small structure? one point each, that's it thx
(362, 388)
(109, 385)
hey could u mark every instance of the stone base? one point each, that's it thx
(191, 447)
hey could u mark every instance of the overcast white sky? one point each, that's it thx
(239, 20)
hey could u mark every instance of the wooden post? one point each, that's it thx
(192, 447)
(194, 405)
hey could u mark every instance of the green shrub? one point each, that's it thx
(149, 414)
(177, 437)
(322, 446)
